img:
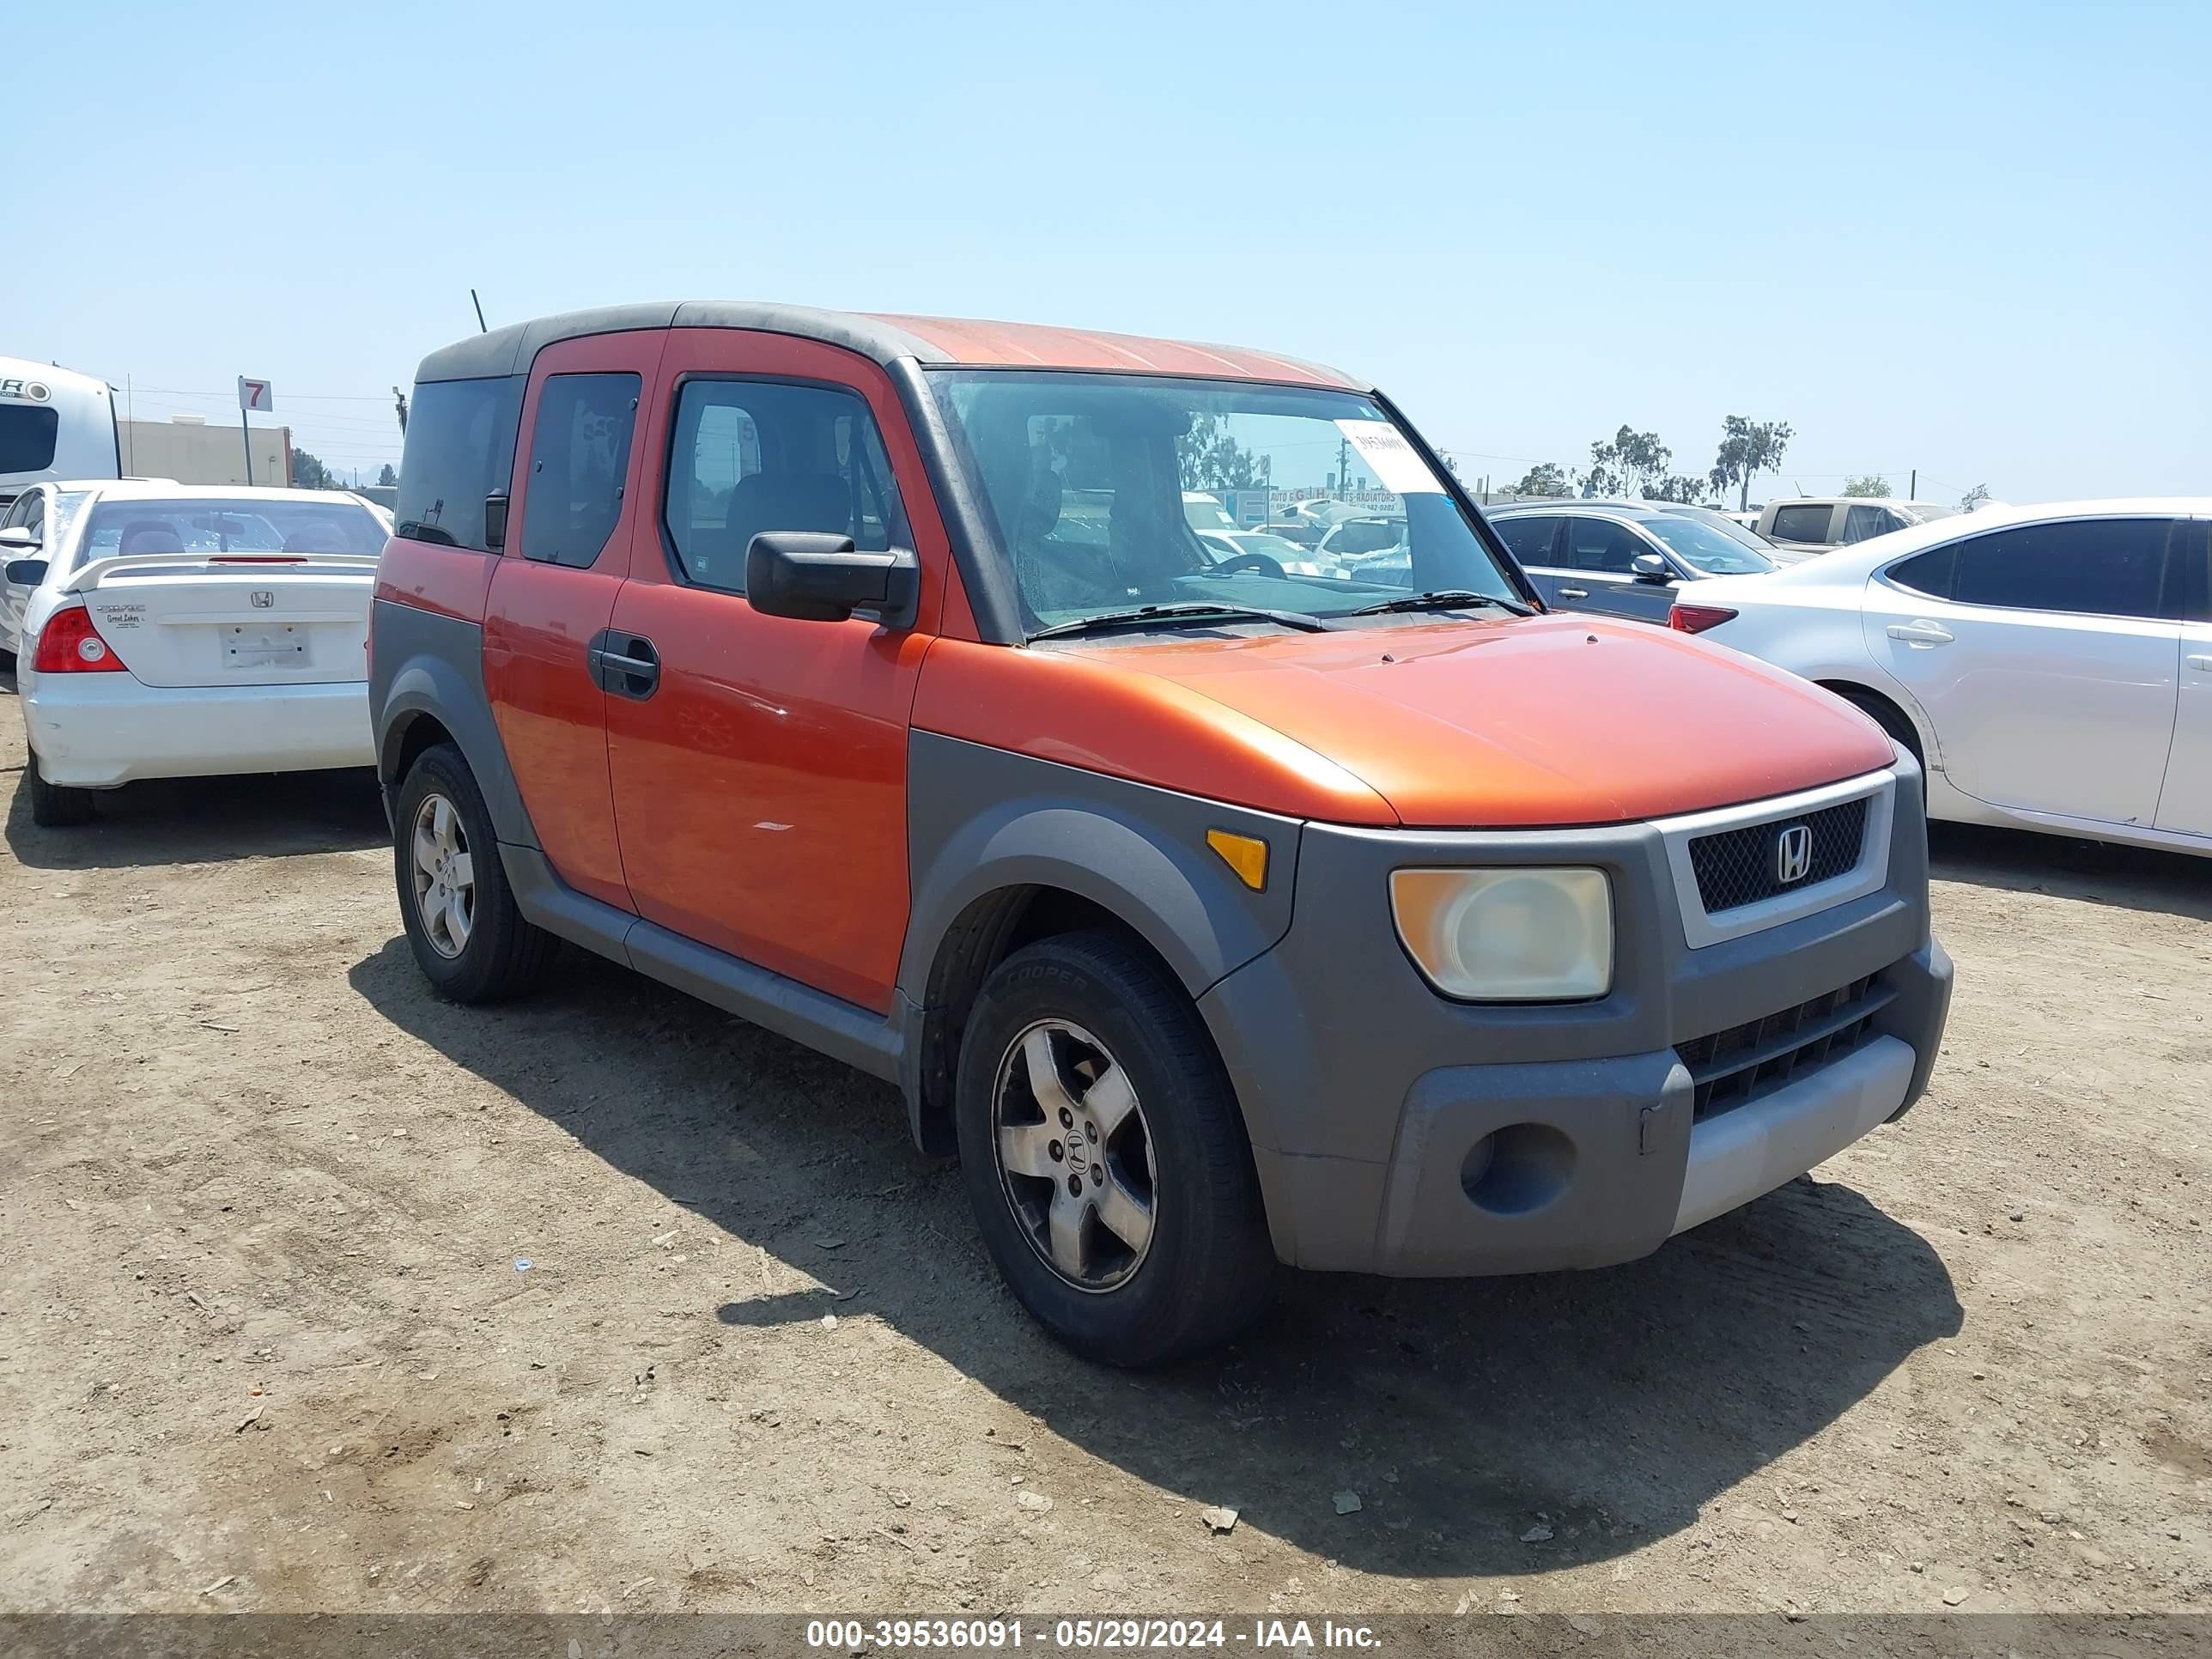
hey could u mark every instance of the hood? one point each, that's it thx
(1520, 722)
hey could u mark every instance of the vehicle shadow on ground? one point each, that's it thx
(1613, 1405)
(202, 820)
(2100, 872)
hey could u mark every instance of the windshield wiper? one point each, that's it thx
(1441, 598)
(1196, 608)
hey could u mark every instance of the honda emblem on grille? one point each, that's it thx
(1793, 854)
(261, 597)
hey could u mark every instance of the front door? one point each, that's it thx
(572, 512)
(762, 787)
(1596, 570)
(2042, 659)
(2186, 805)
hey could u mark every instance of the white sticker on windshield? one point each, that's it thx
(1396, 464)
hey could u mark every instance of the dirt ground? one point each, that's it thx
(316, 1293)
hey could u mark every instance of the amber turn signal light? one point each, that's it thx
(1246, 854)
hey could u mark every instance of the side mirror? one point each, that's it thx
(495, 520)
(17, 538)
(25, 573)
(1650, 567)
(812, 577)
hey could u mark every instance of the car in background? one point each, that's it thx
(175, 630)
(1203, 512)
(2051, 666)
(1620, 559)
(1375, 548)
(54, 423)
(1258, 550)
(1813, 524)
(39, 516)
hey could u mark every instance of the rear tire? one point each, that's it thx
(55, 805)
(1165, 1252)
(469, 937)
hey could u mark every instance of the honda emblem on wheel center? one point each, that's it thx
(1793, 854)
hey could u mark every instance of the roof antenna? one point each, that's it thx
(478, 304)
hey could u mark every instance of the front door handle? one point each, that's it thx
(1920, 634)
(623, 665)
(2201, 664)
(1574, 593)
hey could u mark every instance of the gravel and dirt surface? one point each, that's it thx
(316, 1293)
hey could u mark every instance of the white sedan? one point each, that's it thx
(175, 630)
(2051, 666)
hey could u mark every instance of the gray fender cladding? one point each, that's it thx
(427, 664)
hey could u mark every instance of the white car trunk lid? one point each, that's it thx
(234, 618)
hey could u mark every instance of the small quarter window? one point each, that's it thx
(1928, 574)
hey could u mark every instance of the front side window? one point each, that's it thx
(28, 433)
(1707, 547)
(1864, 523)
(1805, 522)
(2095, 566)
(459, 448)
(750, 456)
(579, 462)
(1602, 546)
(1084, 479)
(138, 526)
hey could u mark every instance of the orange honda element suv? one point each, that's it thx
(863, 676)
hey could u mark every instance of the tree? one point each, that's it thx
(387, 478)
(1211, 460)
(1545, 478)
(309, 473)
(1627, 464)
(1747, 449)
(1870, 483)
(1974, 499)
(1675, 488)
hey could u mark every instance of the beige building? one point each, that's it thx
(191, 450)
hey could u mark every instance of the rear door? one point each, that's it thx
(761, 781)
(2044, 658)
(210, 591)
(572, 510)
(28, 513)
(2186, 804)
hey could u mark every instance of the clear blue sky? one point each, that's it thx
(1975, 239)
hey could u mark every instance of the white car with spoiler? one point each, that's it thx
(186, 631)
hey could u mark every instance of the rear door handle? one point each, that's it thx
(623, 665)
(1920, 634)
(2201, 664)
(1574, 593)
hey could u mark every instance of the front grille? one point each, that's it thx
(1732, 1067)
(1736, 868)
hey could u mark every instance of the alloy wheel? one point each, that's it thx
(445, 876)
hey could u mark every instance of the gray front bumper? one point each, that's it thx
(1396, 1132)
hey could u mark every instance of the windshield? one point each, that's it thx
(1707, 546)
(212, 524)
(1089, 480)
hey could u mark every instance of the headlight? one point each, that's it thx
(1508, 935)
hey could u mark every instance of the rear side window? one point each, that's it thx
(579, 462)
(1529, 538)
(1802, 523)
(755, 455)
(2098, 567)
(28, 433)
(459, 448)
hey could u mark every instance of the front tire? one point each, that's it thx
(1105, 1156)
(469, 937)
(55, 805)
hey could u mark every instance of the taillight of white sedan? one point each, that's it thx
(2051, 667)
